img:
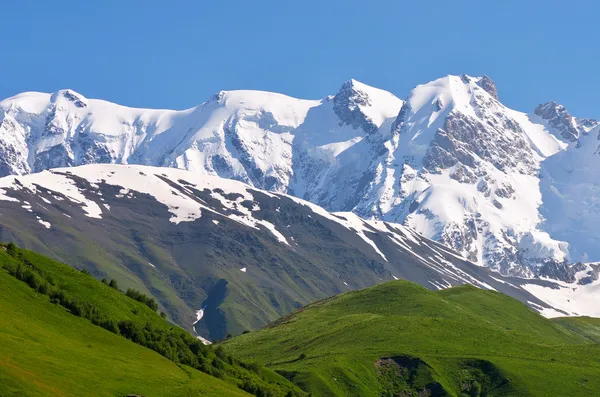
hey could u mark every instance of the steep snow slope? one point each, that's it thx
(508, 190)
(252, 136)
(463, 169)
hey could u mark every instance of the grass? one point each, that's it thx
(47, 350)
(587, 327)
(462, 339)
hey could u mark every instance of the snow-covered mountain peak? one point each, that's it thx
(467, 174)
(69, 96)
(558, 118)
(488, 85)
(363, 106)
(426, 102)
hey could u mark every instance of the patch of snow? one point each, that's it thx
(574, 299)
(204, 340)
(54, 181)
(46, 224)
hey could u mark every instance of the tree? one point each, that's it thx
(113, 284)
(11, 248)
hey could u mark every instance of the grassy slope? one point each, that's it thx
(67, 355)
(588, 327)
(45, 351)
(332, 345)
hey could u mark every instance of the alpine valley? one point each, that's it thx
(226, 257)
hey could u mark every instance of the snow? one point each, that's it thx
(574, 299)
(545, 311)
(204, 340)
(570, 189)
(199, 315)
(53, 181)
(183, 205)
(384, 104)
(543, 141)
(46, 224)
(352, 221)
(280, 237)
(243, 270)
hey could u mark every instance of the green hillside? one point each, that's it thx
(588, 327)
(399, 339)
(63, 333)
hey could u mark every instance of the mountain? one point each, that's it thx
(399, 339)
(226, 257)
(507, 190)
(65, 334)
(481, 178)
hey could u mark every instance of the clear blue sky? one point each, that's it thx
(175, 54)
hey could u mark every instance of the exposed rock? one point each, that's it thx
(559, 118)
(489, 86)
(347, 103)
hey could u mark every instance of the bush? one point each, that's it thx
(138, 296)
(11, 249)
(113, 284)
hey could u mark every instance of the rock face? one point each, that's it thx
(560, 120)
(507, 190)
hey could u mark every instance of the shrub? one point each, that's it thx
(138, 296)
(11, 249)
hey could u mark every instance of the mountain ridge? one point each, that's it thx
(452, 143)
(240, 255)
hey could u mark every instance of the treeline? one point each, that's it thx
(171, 342)
(132, 293)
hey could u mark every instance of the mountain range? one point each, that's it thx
(507, 190)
